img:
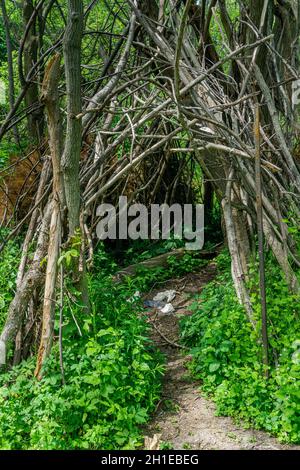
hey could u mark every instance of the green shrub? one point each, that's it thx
(9, 261)
(227, 354)
(112, 375)
(8, 149)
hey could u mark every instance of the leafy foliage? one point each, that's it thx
(8, 269)
(145, 278)
(227, 353)
(2, 42)
(112, 375)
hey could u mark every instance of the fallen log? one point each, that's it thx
(162, 261)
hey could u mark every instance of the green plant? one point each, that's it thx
(72, 252)
(8, 268)
(8, 149)
(227, 353)
(112, 374)
(187, 446)
(188, 263)
(164, 445)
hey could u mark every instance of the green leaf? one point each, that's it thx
(214, 366)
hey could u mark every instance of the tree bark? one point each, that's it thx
(51, 99)
(32, 280)
(72, 150)
(71, 156)
(35, 119)
(237, 270)
(11, 85)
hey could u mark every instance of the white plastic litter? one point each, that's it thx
(167, 295)
(135, 296)
(167, 309)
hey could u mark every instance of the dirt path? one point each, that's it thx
(183, 418)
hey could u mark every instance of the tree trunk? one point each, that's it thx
(35, 119)
(71, 157)
(237, 268)
(208, 201)
(72, 150)
(11, 85)
(51, 99)
(32, 280)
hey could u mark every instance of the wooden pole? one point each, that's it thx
(260, 233)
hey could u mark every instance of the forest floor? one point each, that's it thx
(184, 419)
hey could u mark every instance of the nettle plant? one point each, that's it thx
(112, 378)
(8, 268)
(227, 353)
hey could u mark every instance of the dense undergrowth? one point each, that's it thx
(227, 354)
(112, 371)
(9, 263)
(112, 374)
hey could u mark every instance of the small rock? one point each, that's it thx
(152, 443)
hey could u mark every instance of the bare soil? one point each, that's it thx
(184, 419)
